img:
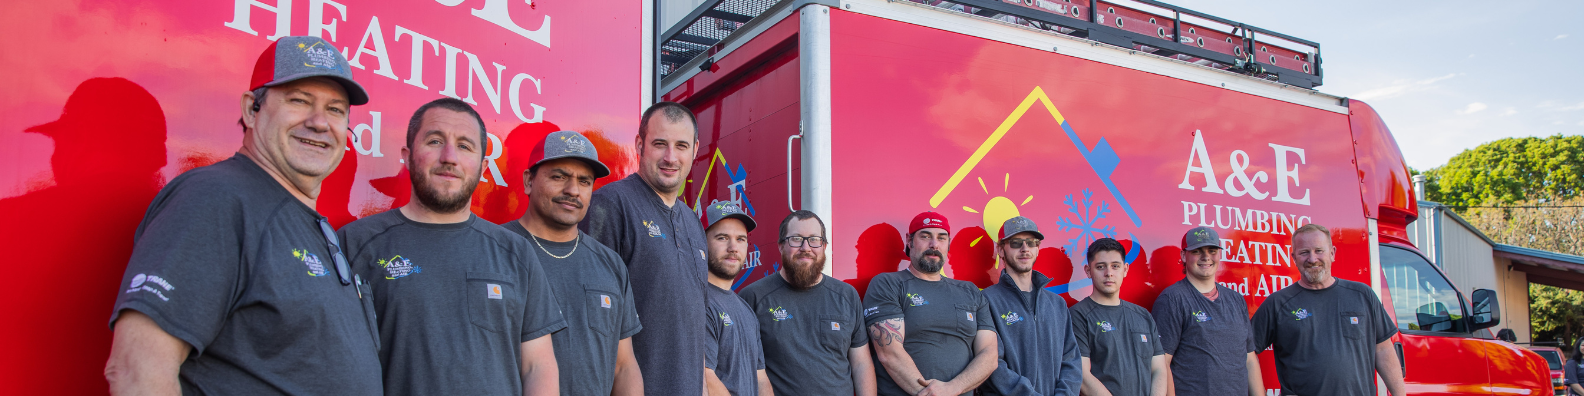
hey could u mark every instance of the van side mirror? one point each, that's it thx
(1486, 311)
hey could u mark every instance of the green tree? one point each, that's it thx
(1510, 170)
(1555, 313)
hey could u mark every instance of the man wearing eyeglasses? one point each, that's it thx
(733, 358)
(233, 286)
(464, 307)
(595, 354)
(1038, 353)
(932, 335)
(810, 324)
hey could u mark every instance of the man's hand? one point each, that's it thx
(937, 388)
(144, 359)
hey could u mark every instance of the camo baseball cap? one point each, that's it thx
(1018, 225)
(568, 144)
(723, 210)
(297, 57)
(1199, 237)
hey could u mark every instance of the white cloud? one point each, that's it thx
(1473, 108)
(1560, 36)
(1509, 111)
(1400, 87)
(1552, 105)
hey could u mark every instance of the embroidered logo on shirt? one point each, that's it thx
(779, 314)
(1201, 317)
(1301, 313)
(916, 299)
(605, 301)
(315, 267)
(398, 267)
(835, 326)
(1105, 327)
(654, 230)
(141, 282)
(725, 319)
(494, 291)
(1354, 319)
(1011, 317)
(871, 311)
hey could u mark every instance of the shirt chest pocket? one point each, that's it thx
(1143, 343)
(491, 299)
(600, 306)
(1353, 324)
(834, 332)
(967, 324)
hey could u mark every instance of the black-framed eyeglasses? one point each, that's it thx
(342, 269)
(798, 241)
(1019, 243)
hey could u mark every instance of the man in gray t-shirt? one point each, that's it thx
(235, 284)
(463, 305)
(594, 354)
(1204, 326)
(810, 324)
(643, 218)
(931, 334)
(1118, 341)
(1331, 336)
(733, 360)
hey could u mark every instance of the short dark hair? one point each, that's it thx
(801, 214)
(452, 104)
(673, 112)
(1104, 245)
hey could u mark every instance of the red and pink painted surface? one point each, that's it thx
(105, 101)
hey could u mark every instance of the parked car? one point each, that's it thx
(1553, 357)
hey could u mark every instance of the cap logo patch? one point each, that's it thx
(575, 144)
(319, 57)
(494, 291)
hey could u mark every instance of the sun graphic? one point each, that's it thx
(998, 209)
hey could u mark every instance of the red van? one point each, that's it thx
(1133, 120)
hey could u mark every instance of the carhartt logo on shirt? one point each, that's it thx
(494, 291)
(1143, 338)
(835, 326)
(605, 301)
(1354, 319)
(970, 316)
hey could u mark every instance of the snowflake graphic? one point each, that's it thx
(1084, 221)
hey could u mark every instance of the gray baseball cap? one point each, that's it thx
(568, 144)
(297, 57)
(723, 210)
(1199, 237)
(1018, 225)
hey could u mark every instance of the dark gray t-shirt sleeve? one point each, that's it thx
(1384, 328)
(882, 302)
(630, 325)
(1080, 330)
(1264, 325)
(604, 223)
(542, 315)
(1169, 319)
(860, 337)
(712, 328)
(1072, 362)
(1570, 372)
(1154, 329)
(982, 315)
(185, 267)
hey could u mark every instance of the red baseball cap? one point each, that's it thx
(928, 220)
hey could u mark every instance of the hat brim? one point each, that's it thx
(356, 96)
(748, 222)
(1196, 247)
(1037, 234)
(599, 168)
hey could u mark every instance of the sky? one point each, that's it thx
(1446, 76)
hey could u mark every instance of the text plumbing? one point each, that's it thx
(465, 73)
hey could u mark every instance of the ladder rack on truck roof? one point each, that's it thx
(1144, 25)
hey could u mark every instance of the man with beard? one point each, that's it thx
(1120, 346)
(1331, 336)
(463, 305)
(733, 360)
(594, 355)
(809, 323)
(236, 285)
(1039, 355)
(643, 219)
(932, 335)
(1208, 343)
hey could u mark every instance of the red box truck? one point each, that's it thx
(1133, 120)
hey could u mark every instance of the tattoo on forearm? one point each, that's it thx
(886, 332)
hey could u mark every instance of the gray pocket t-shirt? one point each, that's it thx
(229, 262)
(590, 283)
(733, 349)
(455, 302)
(1324, 339)
(1119, 341)
(941, 319)
(807, 334)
